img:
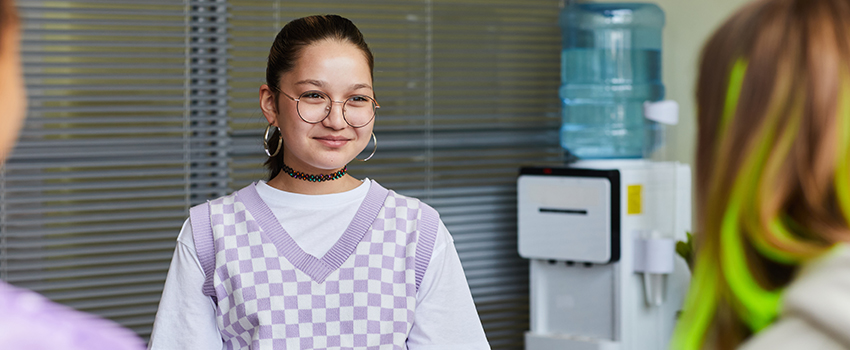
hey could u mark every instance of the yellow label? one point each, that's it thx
(634, 205)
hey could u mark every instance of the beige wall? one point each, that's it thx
(689, 23)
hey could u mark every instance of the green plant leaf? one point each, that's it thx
(685, 249)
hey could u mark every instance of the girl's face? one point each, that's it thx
(12, 93)
(340, 70)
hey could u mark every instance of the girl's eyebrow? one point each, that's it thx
(361, 86)
(313, 82)
(322, 84)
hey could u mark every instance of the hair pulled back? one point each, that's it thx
(287, 49)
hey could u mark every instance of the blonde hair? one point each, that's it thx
(772, 176)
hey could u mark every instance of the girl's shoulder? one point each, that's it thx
(226, 199)
(792, 333)
(397, 199)
(815, 308)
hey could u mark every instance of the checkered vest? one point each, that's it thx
(270, 294)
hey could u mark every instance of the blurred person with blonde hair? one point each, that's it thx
(29, 321)
(772, 266)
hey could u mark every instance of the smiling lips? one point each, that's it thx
(332, 141)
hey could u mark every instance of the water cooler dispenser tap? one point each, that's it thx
(665, 112)
(654, 256)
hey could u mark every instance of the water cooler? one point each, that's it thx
(600, 232)
(600, 238)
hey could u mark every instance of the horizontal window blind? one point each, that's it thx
(495, 108)
(126, 128)
(468, 91)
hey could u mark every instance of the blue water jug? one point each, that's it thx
(610, 65)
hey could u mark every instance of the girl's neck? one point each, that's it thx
(284, 182)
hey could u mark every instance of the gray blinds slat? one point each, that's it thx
(126, 129)
(468, 94)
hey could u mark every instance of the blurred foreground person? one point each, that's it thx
(773, 181)
(29, 321)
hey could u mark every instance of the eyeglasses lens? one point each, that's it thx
(315, 106)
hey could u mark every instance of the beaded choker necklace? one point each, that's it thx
(314, 178)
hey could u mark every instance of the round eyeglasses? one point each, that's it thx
(314, 106)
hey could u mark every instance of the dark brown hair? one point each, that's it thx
(287, 48)
(8, 17)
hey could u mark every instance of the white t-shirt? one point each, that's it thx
(445, 317)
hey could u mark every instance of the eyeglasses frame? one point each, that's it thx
(298, 100)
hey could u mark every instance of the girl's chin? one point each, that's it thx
(329, 166)
(320, 160)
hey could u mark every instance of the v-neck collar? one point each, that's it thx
(318, 269)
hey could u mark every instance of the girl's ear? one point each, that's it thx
(267, 104)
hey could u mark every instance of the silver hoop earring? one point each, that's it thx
(375, 141)
(266, 141)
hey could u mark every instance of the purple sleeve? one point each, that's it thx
(31, 321)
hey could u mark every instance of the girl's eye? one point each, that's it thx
(310, 95)
(359, 99)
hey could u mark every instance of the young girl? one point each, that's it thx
(314, 258)
(773, 182)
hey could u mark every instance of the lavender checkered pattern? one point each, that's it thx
(272, 295)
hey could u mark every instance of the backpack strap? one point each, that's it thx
(199, 216)
(429, 222)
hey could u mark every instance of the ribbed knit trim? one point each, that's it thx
(317, 269)
(199, 216)
(426, 237)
